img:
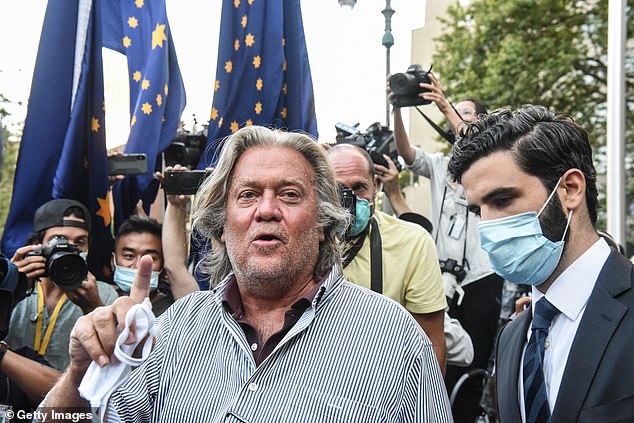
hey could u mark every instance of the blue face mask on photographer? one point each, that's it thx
(124, 276)
(517, 248)
(362, 212)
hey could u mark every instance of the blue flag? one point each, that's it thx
(63, 149)
(140, 30)
(263, 74)
(262, 78)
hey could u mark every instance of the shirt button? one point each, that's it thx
(254, 346)
(547, 344)
(253, 386)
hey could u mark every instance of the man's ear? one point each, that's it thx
(574, 184)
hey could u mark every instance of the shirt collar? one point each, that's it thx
(232, 301)
(571, 290)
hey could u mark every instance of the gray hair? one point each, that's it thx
(209, 210)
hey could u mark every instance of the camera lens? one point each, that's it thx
(403, 84)
(67, 269)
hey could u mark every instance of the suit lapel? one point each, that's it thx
(602, 316)
(509, 354)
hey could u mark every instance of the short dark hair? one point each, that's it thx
(140, 225)
(544, 143)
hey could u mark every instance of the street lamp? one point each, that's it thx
(388, 41)
(347, 3)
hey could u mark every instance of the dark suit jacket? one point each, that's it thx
(598, 381)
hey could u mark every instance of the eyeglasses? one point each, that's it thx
(466, 112)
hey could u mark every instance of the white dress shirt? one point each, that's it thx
(569, 293)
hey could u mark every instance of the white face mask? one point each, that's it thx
(99, 382)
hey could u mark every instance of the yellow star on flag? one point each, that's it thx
(236, 3)
(244, 21)
(136, 76)
(283, 113)
(283, 42)
(256, 62)
(145, 84)
(147, 108)
(249, 40)
(94, 124)
(284, 66)
(133, 22)
(259, 84)
(158, 36)
(165, 89)
(249, 122)
(104, 209)
(139, 3)
(159, 99)
(127, 42)
(133, 121)
(258, 108)
(236, 45)
(250, 2)
(220, 122)
(234, 126)
(214, 113)
(216, 85)
(228, 66)
(284, 89)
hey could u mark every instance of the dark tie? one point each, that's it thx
(535, 398)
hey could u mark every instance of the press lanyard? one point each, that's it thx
(41, 345)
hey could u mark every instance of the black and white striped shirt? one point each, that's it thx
(353, 356)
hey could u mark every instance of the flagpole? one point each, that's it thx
(616, 122)
(388, 41)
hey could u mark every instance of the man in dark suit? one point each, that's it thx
(568, 358)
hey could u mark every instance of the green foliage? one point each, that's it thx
(512, 52)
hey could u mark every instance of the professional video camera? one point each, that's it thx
(406, 86)
(64, 263)
(185, 149)
(376, 140)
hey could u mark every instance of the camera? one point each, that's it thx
(64, 264)
(185, 149)
(451, 266)
(376, 140)
(406, 86)
(348, 201)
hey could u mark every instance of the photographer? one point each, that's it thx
(473, 289)
(43, 320)
(388, 255)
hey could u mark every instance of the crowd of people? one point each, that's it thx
(324, 311)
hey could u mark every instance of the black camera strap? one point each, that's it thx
(376, 255)
(448, 136)
(376, 258)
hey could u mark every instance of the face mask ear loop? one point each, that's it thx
(549, 197)
(567, 225)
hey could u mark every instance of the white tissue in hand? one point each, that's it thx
(99, 382)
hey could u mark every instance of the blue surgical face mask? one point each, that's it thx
(363, 212)
(517, 248)
(124, 276)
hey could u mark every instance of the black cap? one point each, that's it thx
(51, 214)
